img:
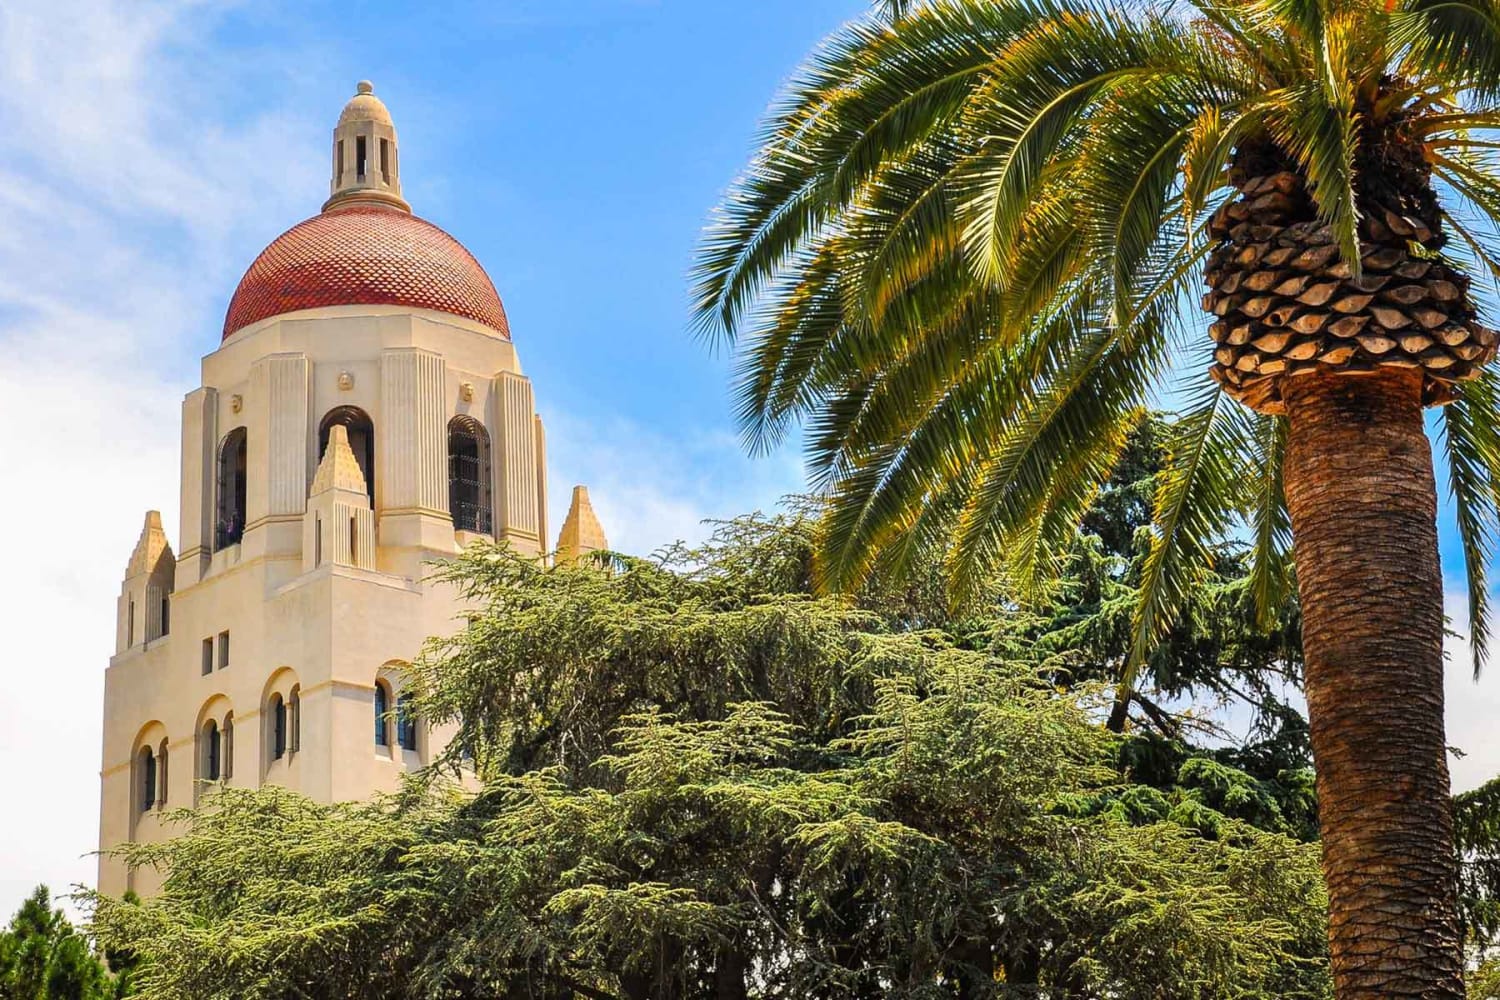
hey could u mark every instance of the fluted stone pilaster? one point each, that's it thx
(412, 442)
(518, 517)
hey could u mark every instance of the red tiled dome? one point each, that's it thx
(364, 254)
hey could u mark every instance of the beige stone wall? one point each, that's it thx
(322, 630)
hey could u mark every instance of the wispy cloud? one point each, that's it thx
(139, 172)
(126, 196)
(1472, 707)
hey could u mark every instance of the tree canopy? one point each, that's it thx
(702, 780)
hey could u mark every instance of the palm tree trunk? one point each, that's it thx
(1360, 489)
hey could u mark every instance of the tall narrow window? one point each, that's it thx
(223, 650)
(469, 475)
(228, 740)
(361, 431)
(208, 656)
(338, 162)
(233, 474)
(161, 777)
(148, 779)
(406, 723)
(130, 623)
(294, 719)
(317, 539)
(385, 160)
(166, 614)
(382, 710)
(278, 727)
(359, 157)
(211, 751)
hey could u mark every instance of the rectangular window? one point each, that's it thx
(385, 160)
(130, 623)
(359, 157)
(338, 163)
(208, 656)
(223, 650)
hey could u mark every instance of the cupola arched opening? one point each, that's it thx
(361, 431)
(469, 475)
(234, 467)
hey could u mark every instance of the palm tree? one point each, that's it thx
(963, 260)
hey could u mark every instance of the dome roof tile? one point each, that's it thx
(365, 254)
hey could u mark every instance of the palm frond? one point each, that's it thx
(1200, 493)
(1469, 438)
(1271, 524)
(1454, 40)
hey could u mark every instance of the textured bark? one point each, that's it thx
(1359, 485)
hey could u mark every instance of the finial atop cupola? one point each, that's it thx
(366, 165)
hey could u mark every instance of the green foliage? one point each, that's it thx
(703, 781)
(1476, 831)
(964, 255)
(42, 957)
(1484, 982)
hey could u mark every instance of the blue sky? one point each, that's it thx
(576, 147)
(150, 148)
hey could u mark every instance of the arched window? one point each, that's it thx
(233, 471)
(294, 719)
(469, 474)
(406, 723)
(148, 779)
(382, 711)
(212, 750)
(278, 727)
(227, 738)
(361, 431)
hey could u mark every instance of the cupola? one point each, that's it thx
(365, 247)
(366, 164)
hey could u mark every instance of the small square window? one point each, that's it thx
(208, 656)
(223, 650)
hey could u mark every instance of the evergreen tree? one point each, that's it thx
(42, 957)
(703, 781)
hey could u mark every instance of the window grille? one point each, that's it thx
(469, 476)
(406, 723)
(233, 474)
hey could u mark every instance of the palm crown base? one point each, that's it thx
(1288, 304)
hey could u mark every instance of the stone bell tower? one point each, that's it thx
(364, 415)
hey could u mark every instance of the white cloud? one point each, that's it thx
(138, 175)
(1473, 708)
(126, 198)
(133, 187)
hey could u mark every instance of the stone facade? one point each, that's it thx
(330, 455)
